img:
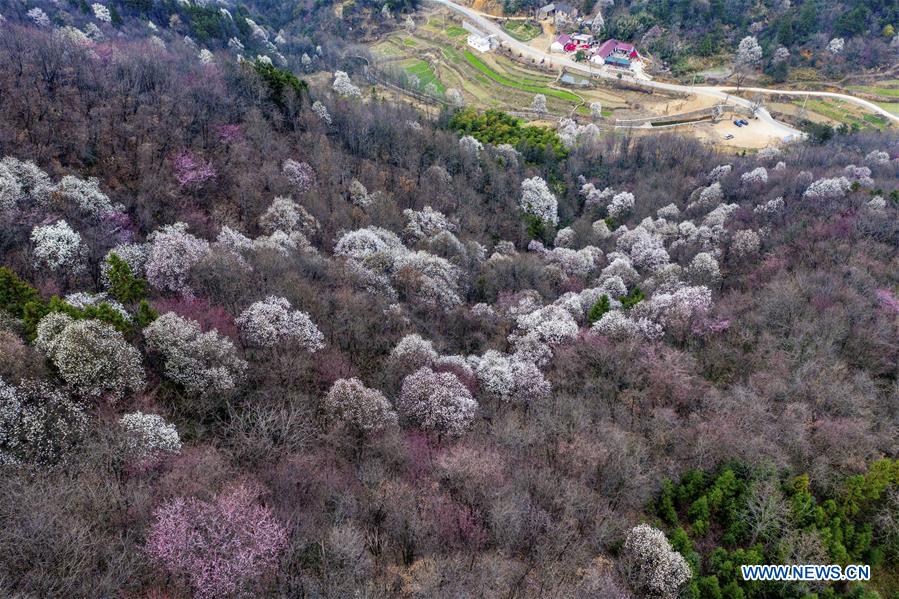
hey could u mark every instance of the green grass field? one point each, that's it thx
(839, 111)
(422, 70)
(503, 80)
(892, 107)
(455, 31)
(523, 31)
(887, 92)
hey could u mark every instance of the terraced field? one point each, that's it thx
(840, 112)
(523, 31)
(437, 53)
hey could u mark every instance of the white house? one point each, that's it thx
(482, 42)
(479, 40)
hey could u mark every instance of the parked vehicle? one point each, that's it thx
(738, 123)
(729, 136)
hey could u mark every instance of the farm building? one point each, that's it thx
(616, 53)
(582, 38)
(560, 43)
(479, 40)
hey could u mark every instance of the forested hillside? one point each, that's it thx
(268, 337)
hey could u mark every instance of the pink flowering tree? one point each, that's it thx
(221, 548)
(191, 171)
(300, 174)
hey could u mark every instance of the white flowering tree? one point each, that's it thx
(538, 201)
(173, 252)
(38, 424)
(101, 12)
(828, 189)
(454, 97)
(470, 146)
(596, 110)
(202, 363)
(58, 247)
(749, 52)
(538, 104)
(411, 353)
(272, 322)
(424, 223)
(621, 204)
(746, 242)
(430, 279)
(836, 45)
(320, 110)
(300, 174)
(757, 176)
(86, 195)
(511, 380)
(91, 356)
(364, 410)
(343, 86)
(437, 401)
(148, 435)
(651, 566)
(704, 270)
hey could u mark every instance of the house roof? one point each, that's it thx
(610, 46)
(564, 7)
(564, 39)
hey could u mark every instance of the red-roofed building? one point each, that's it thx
(617, 53)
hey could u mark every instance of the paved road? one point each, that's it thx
(784, 131)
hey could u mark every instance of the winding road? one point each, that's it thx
(784, 132)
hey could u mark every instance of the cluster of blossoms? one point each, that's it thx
(768, 153)
(222, 548)
(877, 157)
(148, 435)
(470, 146)
(283, 214)
(203, 363)
(58, 247)
(770, 207)
(645, 248)
(437, 401)
(565, 237)
(343, 86)
(594, 197)
(321, 111)
(828, 189)
(379, 256)
(206, 56)
(510, 379)
(191, 171)
(411, 353)
(454, 97)
(749, 52)
(615, 324)
(38, 424)
(91, 356)
(571, 134)
(82, 299)
(432, 279)
(719, 172)
(678, 308)
(366, 410)
(651, 566)
(101, 13)
(574, 263)
(622, 203)
(709, 196)
(300, 174)
(860, 174)
(756, 176)
(173, 252)
(86, 195)
(537, 200)
(359, 195)
(538, 104)
(781, 54)
(39, 17)
(836, 45)
(746, 242)
(271, 322)
(425, 223)
(704, 269)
